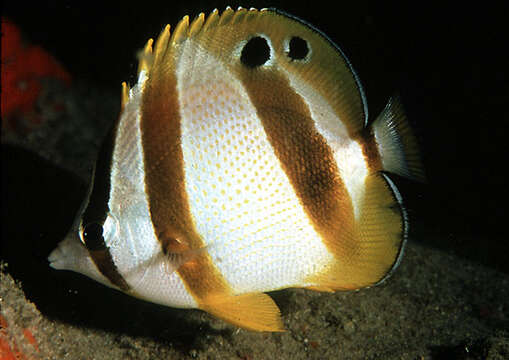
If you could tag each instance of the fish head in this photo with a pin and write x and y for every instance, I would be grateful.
(72, 254)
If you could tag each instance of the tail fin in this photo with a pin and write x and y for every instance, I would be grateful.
(396, 142)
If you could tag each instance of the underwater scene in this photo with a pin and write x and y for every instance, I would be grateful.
(307, 181)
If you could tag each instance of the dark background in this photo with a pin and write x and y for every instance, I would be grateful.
(448, 64)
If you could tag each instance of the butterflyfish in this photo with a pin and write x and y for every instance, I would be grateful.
(243, 162)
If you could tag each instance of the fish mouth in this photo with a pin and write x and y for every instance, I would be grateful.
(71, 254)
(67, 254)
(57, 258)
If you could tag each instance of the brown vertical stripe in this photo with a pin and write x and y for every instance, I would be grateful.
(104, 262)
(370, 150)
(165, 181)
(97, 210)
(305, 156)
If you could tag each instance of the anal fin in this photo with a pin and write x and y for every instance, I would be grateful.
(321, 288)
(253, 311)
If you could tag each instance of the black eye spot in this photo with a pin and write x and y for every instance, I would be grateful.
(255, 53)
(93, 237)
(298, 48)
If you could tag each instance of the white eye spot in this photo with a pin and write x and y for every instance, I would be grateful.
(297, 49)
(255, 52)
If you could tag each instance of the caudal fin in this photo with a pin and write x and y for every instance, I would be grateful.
(396, 142)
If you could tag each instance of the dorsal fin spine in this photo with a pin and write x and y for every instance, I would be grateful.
(196, 25)
(211, 20)
(161, 45)
(145, 57)
(124, 99)
(180, 33)
(226, 16)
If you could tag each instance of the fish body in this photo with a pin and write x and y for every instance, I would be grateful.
(243, 162)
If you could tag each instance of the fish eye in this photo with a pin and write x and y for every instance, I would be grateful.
(297, 48)
(256, 52)
(93, 236)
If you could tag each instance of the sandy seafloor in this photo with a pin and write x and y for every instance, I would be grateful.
(435, 307)
(449, 299)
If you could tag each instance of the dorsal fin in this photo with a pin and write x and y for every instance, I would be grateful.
(333, 76)
(328, 70)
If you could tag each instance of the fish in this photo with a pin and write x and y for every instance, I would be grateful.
(243, 162)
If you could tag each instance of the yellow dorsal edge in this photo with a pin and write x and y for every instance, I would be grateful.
(185, 30)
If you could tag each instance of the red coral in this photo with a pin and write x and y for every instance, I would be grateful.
(10, 349)
(23, 68)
